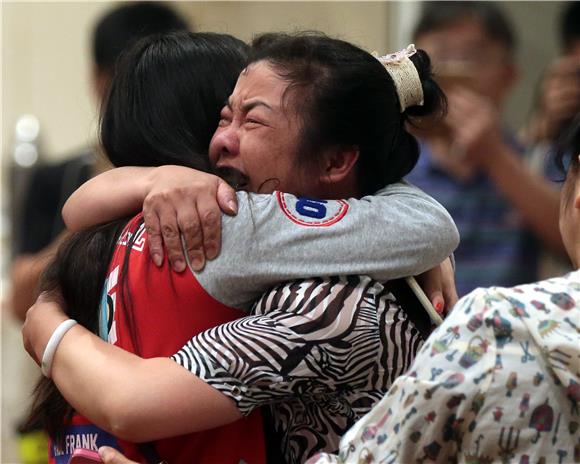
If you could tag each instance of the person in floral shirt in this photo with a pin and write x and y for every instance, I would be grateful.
(499, 380)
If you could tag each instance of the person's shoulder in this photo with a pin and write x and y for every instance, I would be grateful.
(541, 297)
(478, 301)
(482, 306)
(402, 186)
(253, 206)
(568, 283)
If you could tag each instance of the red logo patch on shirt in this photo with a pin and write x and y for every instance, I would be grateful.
(310, 212)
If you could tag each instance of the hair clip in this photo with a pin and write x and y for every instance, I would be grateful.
(404, 75)
(396, 57)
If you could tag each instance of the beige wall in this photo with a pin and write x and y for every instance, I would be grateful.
(46, 65)
(363, 23)
(45, 51)
(45, 71)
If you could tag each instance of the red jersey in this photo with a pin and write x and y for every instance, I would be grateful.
(165, 309)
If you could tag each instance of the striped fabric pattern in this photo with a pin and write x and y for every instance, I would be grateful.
(320, 352)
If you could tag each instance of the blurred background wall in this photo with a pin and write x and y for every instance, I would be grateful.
(45, 72)
(45, 51)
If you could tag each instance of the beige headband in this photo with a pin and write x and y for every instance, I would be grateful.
(404, 75)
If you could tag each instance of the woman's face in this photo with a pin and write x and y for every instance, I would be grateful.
(570, 215)
(259, 132)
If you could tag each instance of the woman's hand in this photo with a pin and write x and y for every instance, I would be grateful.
(475, 125)
(112, 456)
(439, 286)
(184, 202)
(111, 195)
(42, 319)
(175, 200)
(450, 296)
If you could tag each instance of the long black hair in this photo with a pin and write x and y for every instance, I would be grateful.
(164, 104)
(162, 108)
(78, 272)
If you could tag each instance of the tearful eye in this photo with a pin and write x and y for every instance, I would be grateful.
(253, 122)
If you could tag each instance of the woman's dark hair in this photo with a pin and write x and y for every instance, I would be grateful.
(78, 272)
(175, 85)
(163, 107)
(349, 99)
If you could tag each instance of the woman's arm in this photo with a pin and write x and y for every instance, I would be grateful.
(144, 399)
(111, 195)
(173, 198)
(398, 232)
(133, 398)
(313, 336)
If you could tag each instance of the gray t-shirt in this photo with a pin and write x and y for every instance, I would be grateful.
(400, 231)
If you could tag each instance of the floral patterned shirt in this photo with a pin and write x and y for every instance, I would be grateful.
(498, 381)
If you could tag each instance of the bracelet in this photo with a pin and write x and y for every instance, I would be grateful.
(52, 345)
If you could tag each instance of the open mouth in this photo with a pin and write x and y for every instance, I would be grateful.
(237, 179)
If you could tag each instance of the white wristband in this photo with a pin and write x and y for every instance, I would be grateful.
(52, 344)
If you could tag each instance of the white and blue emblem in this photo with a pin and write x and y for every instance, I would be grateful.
(311, 212)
